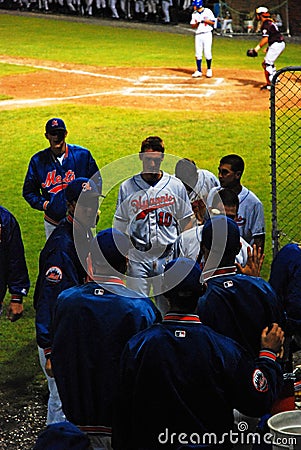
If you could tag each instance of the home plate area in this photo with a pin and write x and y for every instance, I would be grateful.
(172, 86)
(137, 87)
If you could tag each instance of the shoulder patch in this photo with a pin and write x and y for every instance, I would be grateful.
(54, 274)
(259, 381)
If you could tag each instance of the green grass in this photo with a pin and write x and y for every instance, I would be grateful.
(113, 133)
(98, 45)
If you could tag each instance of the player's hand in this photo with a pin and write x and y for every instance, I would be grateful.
(14, 311)
(273, 339)
(48, 368)
(254, 262)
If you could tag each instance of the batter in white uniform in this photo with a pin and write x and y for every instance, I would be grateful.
(202, 21)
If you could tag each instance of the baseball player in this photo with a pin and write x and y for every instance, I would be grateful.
(285, 278)
(51, 170)
(60, 267)
(250, 212)
(202, 21)
(198, 183)
(152, 208)
(235, 305)
(272, 37)
(13, 268)
(179, 380)
(92, 324)
(188, 244)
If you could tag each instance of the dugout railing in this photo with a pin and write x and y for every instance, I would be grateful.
(285, 142)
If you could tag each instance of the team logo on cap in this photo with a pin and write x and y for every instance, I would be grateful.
(86, 186)
(259, 381)
(54, 274)
(54, 123)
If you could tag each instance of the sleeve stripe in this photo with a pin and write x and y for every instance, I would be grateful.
(267, 354)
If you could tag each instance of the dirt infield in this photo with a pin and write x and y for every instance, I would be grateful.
(148, 88)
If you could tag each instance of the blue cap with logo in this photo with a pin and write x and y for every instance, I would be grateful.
(182, 276)
(221, 234)
(84, 187)
(55, 124)
(109, 246)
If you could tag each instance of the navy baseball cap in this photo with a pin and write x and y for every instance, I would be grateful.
(55, 124)
(84, 187)
(62, 436)
(182, 277)
(109, 247)
(221, 234)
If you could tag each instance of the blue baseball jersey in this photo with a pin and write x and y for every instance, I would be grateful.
(239, 306)
(46, 179)
(285, 278)
(13, 267)
(180, 380)
(59, 269)
(92, 324)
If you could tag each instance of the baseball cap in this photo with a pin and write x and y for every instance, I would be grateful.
(84, 187)
(109, 246)
(62, 436)
(182, 277)
(221, 234)
(55, 124)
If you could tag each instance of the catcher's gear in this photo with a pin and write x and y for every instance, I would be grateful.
(252, 53)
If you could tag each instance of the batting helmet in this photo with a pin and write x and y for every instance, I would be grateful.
(197, 3)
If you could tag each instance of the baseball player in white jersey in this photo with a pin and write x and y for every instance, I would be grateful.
(198, 183)
(250, 217)
(202, 21)
(152, 208)
(188, 244)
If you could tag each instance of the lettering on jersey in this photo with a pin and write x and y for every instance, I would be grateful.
(259, 381)
(228, 284)
(54, 274)
(57, 181)
(180, 333)
(152, 203)
(241, 221)
(99, 291)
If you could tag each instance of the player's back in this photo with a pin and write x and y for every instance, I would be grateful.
(240, 306)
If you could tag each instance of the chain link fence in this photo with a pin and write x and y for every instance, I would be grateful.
(286, 157)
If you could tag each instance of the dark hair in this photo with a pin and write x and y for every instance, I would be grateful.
(186, 171)
(154, 143)
(227, 197)
(235, 161)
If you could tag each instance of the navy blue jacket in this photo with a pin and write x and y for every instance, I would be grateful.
(46, 179)
(92, 324)
(285, 278)
(59, 269)
(13, 268)
(240, 307)
(180, 380)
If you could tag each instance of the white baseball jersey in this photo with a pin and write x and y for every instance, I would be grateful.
(150, 214)
(188, 243)
(206, 181)
(199, 17)
(250, 218)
